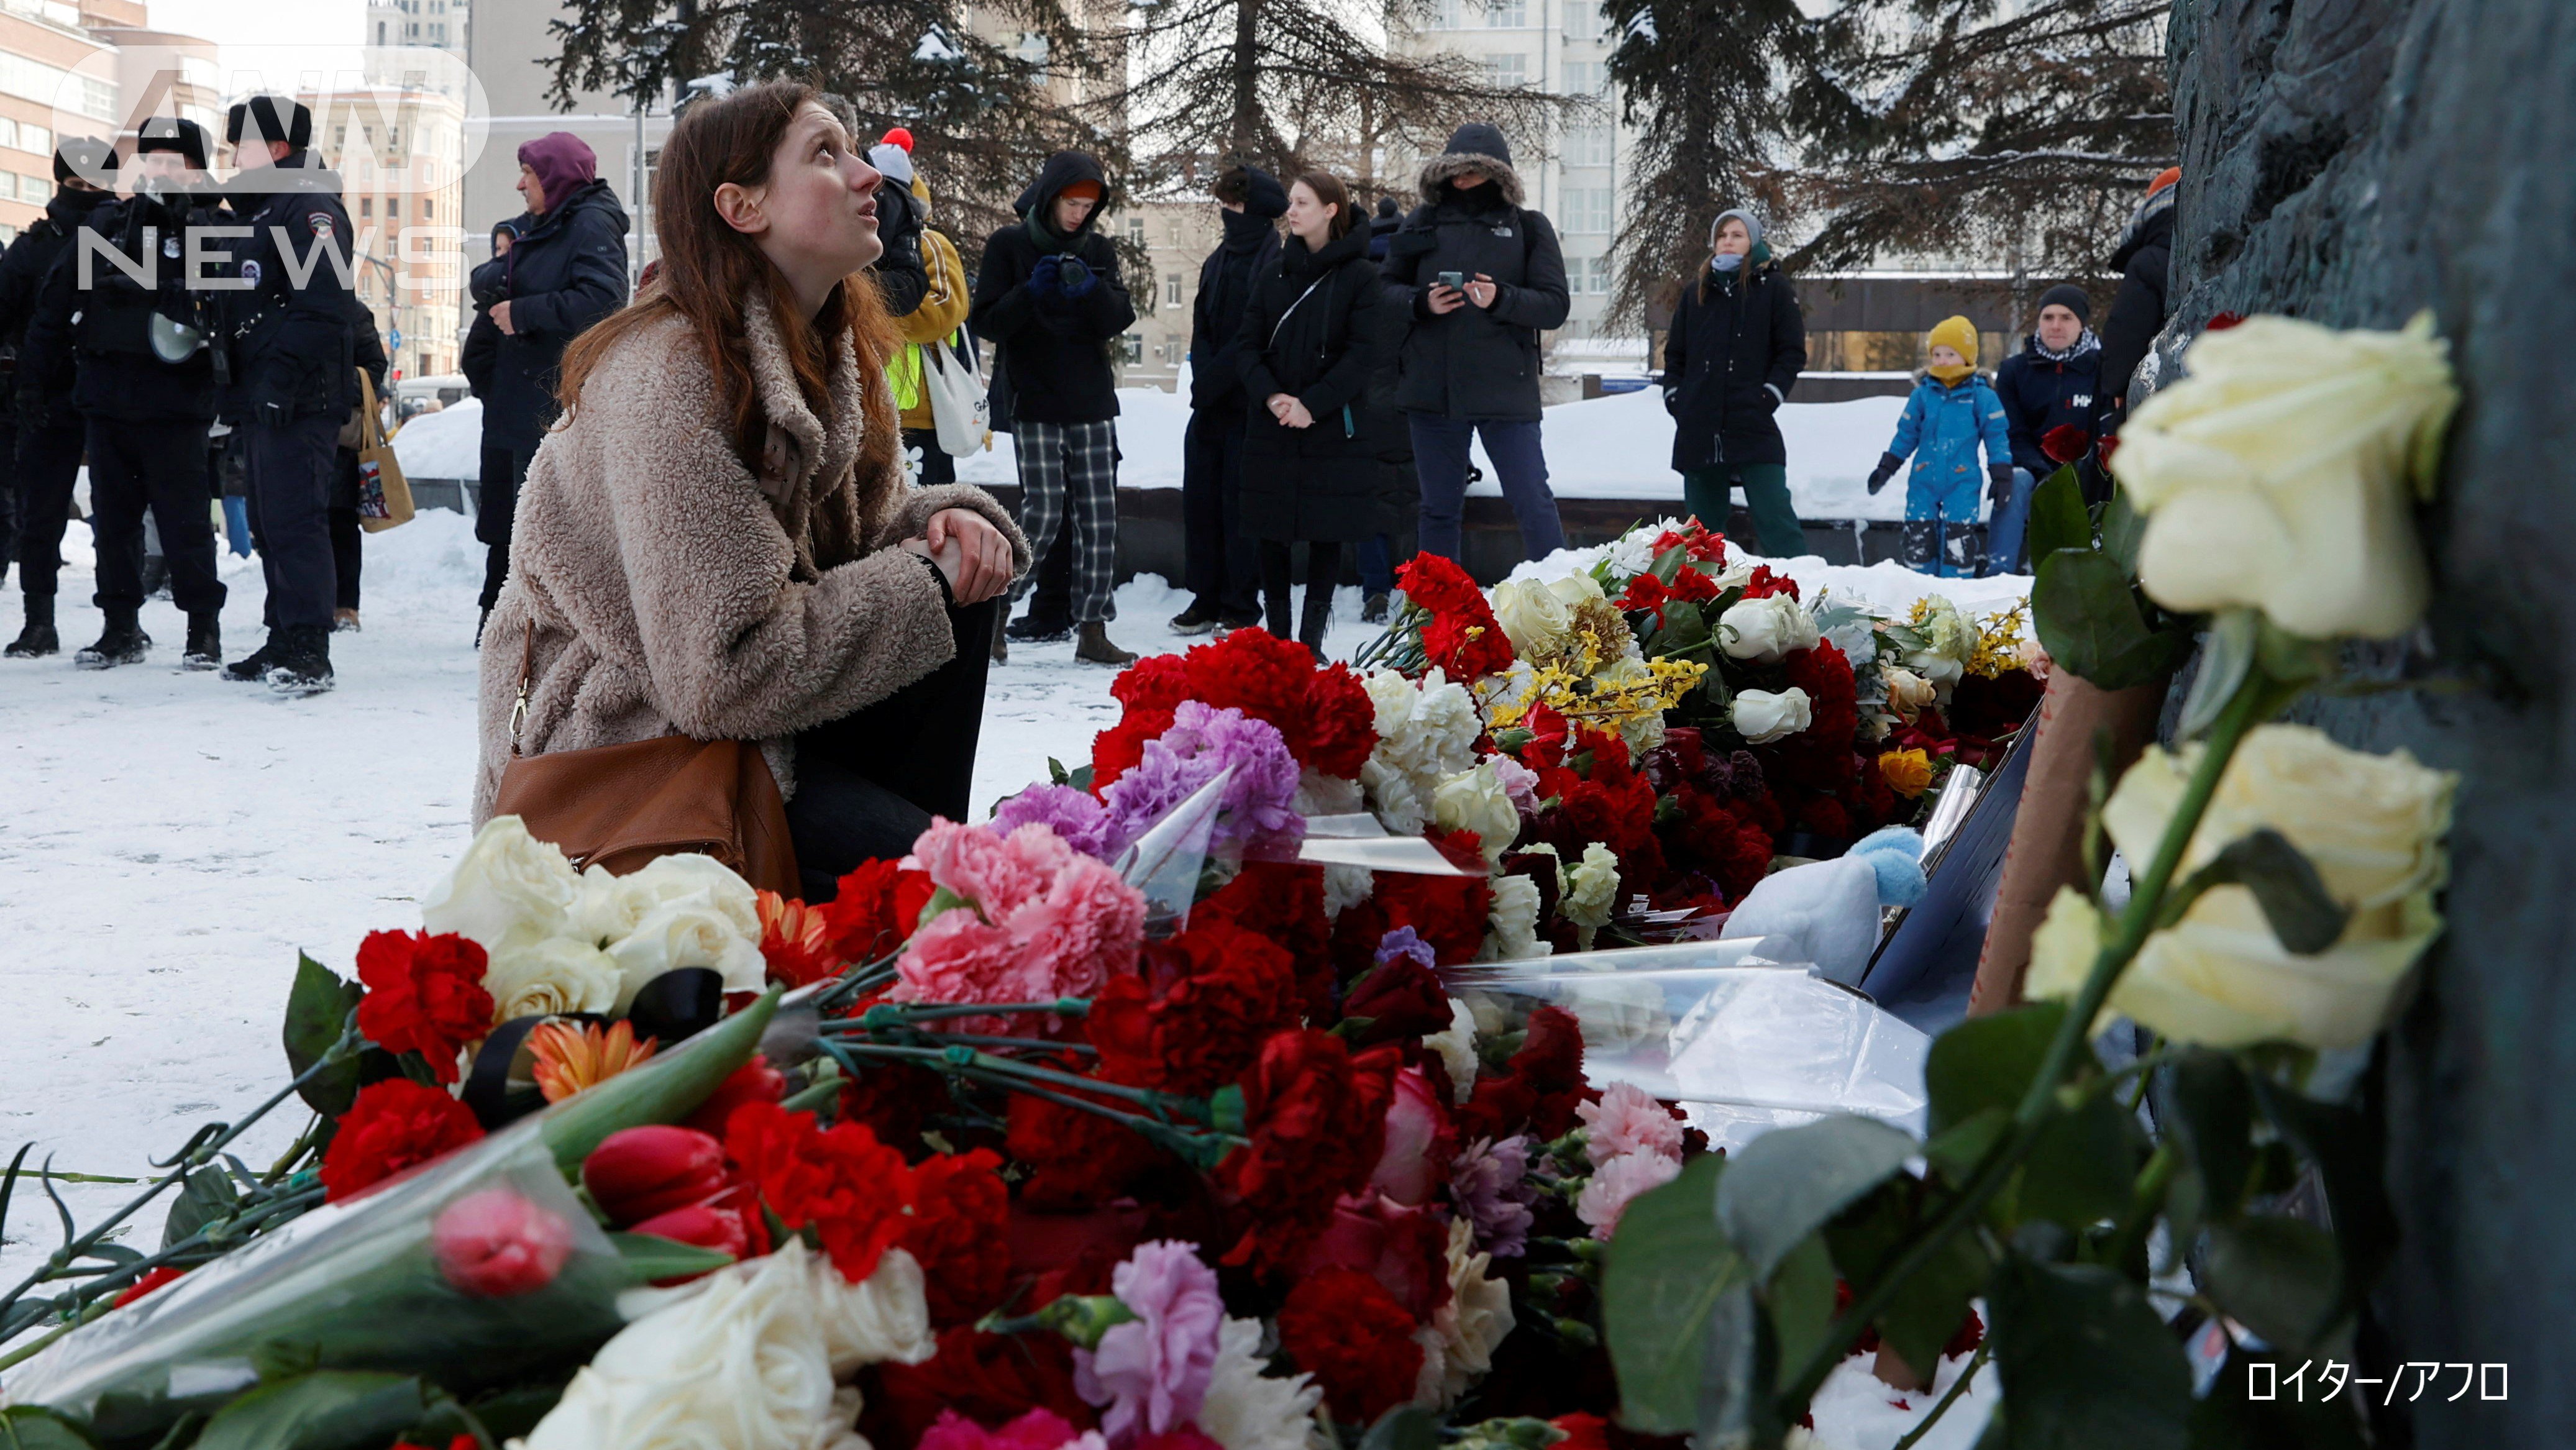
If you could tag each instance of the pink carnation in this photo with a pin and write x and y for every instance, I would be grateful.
(1153, 1372)
(1087, 930)
(1628, 1120)
(1616, 1182)
(1044, 921)
(996, 872)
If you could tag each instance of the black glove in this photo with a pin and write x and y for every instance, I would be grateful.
(32, 412)
(1888, 463)
(1999, 482)
(1672, 401)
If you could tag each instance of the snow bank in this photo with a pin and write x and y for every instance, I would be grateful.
(444, 444)
(1615, 447)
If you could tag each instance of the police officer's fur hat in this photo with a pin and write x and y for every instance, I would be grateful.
(269, 118)
(86, 157)
(173, 133)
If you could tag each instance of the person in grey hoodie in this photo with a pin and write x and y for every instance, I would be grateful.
(1481, 276)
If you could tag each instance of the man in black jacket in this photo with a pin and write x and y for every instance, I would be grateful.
(566, 271)
(1481, 277)
(49, 430)
(2052, 384)
(119, 311)
(293, 379)
(2145, 260)
(1050, 298)
(1223, 567)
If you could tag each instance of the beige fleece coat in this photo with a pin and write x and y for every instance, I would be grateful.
(675, 590)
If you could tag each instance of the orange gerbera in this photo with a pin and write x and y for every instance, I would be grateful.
(796, 942)
(572, 1056)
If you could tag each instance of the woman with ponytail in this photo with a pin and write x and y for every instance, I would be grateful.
(718, 539)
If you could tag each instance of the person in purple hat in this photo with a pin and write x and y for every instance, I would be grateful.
(566, 271)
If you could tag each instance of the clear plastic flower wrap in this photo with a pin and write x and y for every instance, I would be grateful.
(1744, 1045)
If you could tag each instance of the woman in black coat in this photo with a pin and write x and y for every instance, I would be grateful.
(1309, 342)
(1737, 345)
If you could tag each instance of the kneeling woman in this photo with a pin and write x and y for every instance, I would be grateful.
(1309, 339)
(719, 541)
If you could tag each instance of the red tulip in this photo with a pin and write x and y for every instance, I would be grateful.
(640, 1172)
(753, 1082)
(497, 1245)
(703, 1225)
(146, 1285)
(2224, 321)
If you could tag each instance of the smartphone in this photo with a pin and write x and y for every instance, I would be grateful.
(1454, 281)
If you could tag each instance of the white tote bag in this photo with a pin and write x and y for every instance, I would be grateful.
(957, 401)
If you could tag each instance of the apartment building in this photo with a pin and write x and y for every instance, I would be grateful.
(53, 73)
(401, 156)
(506, 47)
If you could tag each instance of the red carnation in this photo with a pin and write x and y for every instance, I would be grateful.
(392, 1125)
(1254, 671)
(1537, 1089)
(875, 910)
(2065, 443)
(1438, 584)
(753, 1082)
(1339, 727)
(1342, 1327)
(1156, 682)
(895, 1101)
(1316, 1123)
(1405, 1249)
(424, 994)
(1076, 1159)
(1401, 999)
(1647, 594)
(1728, 847)
(1283, 903)
(1197, 1009)
(992, 1379)
(853, 1190)
(960, 1233)
(1582, 1432)
(1703, 544)
(1467, 648)
(1762, 584)
(2224, 321)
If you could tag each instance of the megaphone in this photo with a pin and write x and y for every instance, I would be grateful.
(175, 342)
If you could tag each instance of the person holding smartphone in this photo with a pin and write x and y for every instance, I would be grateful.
(1481, 277)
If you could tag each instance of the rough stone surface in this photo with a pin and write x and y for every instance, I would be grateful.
(2354, 161)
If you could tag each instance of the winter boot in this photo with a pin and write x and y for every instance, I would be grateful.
(1029, 629)
(123, 643)
(38, 639)
(1318, 618)
(1373, 609)
(1199, 618)
(254, 667)
(1960, 554)
(205, 643)
(1001, 637)
(344, 621)
(303, 665)
(1095, 647)
(1919, 545)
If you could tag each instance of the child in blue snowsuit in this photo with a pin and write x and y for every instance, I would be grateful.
(1953, 410)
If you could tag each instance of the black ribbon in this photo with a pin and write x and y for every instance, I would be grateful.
(487, 1082)
(678, 1004)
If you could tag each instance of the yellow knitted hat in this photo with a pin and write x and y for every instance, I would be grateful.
(1956, 332)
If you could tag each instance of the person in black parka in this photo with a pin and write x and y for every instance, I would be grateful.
(2145, 260)
(1308, 345)
(1400, 495)
(566, 271)
(1220, 562)
(1737, 345)
(2049, 387)
(1481, 276)
(1050, 298)
(49, 431)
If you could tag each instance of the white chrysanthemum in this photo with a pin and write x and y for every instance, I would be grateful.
(1346, 887)
(1592, 890)
(1248, 1410)
(1426, 734)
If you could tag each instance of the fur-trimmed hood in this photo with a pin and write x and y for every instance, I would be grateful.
(1475, 146)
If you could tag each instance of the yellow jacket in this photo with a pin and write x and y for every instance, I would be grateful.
(942, 311)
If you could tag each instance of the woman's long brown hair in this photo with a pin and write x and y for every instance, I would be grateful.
(708, 270)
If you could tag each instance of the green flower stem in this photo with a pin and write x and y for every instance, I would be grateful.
(201, 1151)
(1949, 1397)
(986, 1064)
(26, 1352)
(865, 977)
(2243, 711)
(2153, 1180)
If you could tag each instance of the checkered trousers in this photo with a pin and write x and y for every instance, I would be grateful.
(1070, 471)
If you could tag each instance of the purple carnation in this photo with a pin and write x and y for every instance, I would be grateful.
(1258, 807)
(1489, 1181)
(1082, 821)
(1152, 1373)
(1402, 942)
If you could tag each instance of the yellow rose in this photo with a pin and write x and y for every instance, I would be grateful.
(2373, 827)
(2276, 475)
(1907, 772)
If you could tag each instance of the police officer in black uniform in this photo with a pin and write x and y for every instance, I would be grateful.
(293, 378)
(49, 429)
(119, 302)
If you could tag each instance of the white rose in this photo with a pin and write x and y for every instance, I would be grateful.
(550, 978)
(1909, 694)
(2373, 827)
(1246, 1409)
(1592, 890)
(1512, 922)
(1577, 589)
(1474, 1321)
(1763, 630)
(1535, 620)
(737, 1359)
(2276, 475)
(884, 1320)
(692, 931)
(1477, 800)
(674, 878)
(1761, 716)
(508, 887)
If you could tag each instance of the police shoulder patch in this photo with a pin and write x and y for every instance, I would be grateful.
(250, 273)
(320, 221)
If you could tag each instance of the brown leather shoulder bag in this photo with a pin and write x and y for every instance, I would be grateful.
(620, 806)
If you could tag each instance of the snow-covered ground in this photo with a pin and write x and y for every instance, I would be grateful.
(170, 842)
(1615, 447)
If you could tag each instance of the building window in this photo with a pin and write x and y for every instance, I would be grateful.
(1171, 289)
(1132, 347)
(1582, 20)
(35, 138)
(1444, 14)
(1594, 277)
(8, 185)
(428, 208)
(1585, 78)
(8, 132)
(1587, 146)
(1136, 230)
(1587, 211)
(366, 204)
(35, 190)
(1033, 48)
(1506, 14)
(1507, 70)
